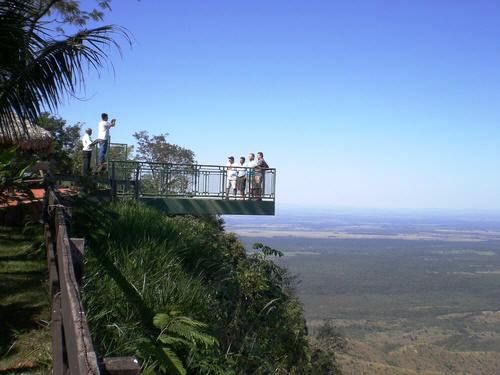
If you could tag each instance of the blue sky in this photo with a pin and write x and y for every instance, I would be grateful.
(376, 104)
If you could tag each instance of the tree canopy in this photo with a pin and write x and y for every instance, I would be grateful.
(155, 148)
(65, 156)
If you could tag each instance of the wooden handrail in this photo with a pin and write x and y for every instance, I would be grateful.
(72, 348)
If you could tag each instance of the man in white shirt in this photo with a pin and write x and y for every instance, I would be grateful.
(87, 151)
(103, 137)
(252, 163)
(232, 174)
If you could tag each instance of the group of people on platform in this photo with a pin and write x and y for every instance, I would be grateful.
(246, 179)
(102, 141)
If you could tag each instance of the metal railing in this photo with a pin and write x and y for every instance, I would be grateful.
(116, 151)
(147, 179)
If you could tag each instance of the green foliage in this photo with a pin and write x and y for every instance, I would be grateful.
(40, 67)
(324, 360)
(13, 168)
(332, 336)
(156, 149)
(181, 332)
(178, 329)
(71, 13)
(179, 287)
(66, 155)
(327, 342)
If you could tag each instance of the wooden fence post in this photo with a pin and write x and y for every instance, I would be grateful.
(121, 366)
(56, 328)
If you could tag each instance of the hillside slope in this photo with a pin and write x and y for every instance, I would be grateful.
(184, 296)
(422, 359)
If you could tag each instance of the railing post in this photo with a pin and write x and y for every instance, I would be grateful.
(136, 187)
(113, 181)
(59, 366)
(224, 175)
(167, 177)
(274, 184)
(121, 366)
(263, 188)
(108, 148)
(195, 181)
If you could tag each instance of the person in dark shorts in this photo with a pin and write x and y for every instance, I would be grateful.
(241, 181)
(260, 171)
(87, 151)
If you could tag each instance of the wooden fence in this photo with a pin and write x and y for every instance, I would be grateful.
(72, 349)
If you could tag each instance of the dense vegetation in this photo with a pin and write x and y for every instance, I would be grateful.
(184, 296)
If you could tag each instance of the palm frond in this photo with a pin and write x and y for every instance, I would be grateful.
(38, 71)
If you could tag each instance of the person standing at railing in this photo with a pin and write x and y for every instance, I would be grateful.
(252, 163)
(103, 138)
(260, 170)
(87, 151)
(241, 180)
(232, 175)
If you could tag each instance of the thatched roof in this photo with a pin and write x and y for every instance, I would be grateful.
(28, 137)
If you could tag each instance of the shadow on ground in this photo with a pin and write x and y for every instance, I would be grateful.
(24, 304)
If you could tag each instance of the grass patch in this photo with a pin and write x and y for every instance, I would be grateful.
(24, 303)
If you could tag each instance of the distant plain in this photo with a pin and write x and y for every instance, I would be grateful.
(412, 293)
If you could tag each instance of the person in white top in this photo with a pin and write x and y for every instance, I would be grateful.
(251, 164)
(103, 136)
(232, 174)
(87, 151)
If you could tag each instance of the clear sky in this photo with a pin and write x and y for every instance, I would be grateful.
(377, 104)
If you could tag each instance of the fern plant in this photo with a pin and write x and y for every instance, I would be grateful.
(180, 333)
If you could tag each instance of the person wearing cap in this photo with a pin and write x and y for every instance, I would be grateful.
(232, 175)
(87, 151)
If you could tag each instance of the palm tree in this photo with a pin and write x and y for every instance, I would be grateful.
(38, 66)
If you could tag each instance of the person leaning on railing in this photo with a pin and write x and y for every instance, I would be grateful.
(87, 151)
(260, 170)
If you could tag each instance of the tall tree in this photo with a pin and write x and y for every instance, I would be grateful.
(66, 154)
(41, 64)
(155, 148)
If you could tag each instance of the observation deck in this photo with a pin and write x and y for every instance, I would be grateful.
(193, 189)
